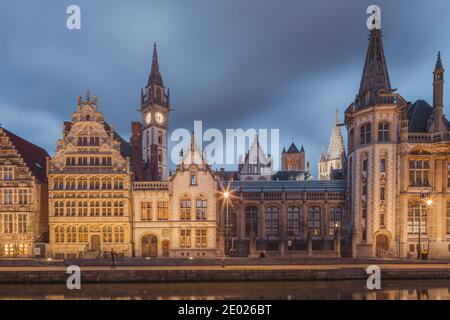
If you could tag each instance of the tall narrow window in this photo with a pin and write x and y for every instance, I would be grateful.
(314, 221)
(383, 165)
(383, 132)
(383, 193)
(334, 220)
(185, 238)
(8, 226)
(163, 210)
(251, 221)
(22, 223)
(294, 222)
(201, 208)
(185, 208)
(200, 238)
(365, 134)
(146, 211)
(417, 218)
(8, 173)
(419, 171)
(272, 221)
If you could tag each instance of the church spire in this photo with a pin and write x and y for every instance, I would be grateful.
(155, 77)
(437, 123)
(375, 75)
(336, 147)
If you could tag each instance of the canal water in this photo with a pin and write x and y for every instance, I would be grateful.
(331, 290)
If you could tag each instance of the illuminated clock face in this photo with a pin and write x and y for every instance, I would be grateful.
(159, 118)
(148, 118)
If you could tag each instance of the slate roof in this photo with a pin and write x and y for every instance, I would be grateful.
(288, 175)
(126, 149)
(419, 114)
(290, 186)
(293, 149)
(34, 156)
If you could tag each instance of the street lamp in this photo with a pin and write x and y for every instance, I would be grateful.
(424, 196)
(227, 195)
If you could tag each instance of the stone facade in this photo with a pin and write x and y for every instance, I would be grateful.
(398, 166)
(23, 196)
(286, 218)
(90, 188)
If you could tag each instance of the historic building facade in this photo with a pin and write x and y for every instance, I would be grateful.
(398, 166)
(286, 218)
(23, 196)
(177, 219)
(90, 188)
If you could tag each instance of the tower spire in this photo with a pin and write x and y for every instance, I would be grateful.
(336, 147)
(437, 123)
(375, 76)
(155, 77)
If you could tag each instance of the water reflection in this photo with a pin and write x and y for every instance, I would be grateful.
(335, 290)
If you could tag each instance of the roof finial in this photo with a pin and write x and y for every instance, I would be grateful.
(439, 61)
(88, 96)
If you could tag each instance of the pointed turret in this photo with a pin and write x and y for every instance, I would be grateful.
(437, 123)
(155, 77)
(375, 75)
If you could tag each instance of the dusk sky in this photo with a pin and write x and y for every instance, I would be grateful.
(283, 64)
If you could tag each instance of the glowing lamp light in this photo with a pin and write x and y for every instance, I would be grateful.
(226, 194)
(429, 202)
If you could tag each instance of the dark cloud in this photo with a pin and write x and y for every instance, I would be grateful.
(286, 64)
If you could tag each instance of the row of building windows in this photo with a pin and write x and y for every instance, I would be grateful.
(92, 209)
(15, 249)
(15, 196)
(88, 141)
(296, 225)
(201, 206)
(7, 173)
(418, 218)
(15, 223)
(201, 238)
(73, 234)
(162, 211)
(88, 161)
(365, 134)
(88, 184)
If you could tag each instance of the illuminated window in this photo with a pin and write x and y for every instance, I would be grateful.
(334, 220)
(59, 234)
(201, 208)
(314, 221)
(8, 225)
(185, 238)
(419, 171)
(9, 250)
(163, 210)
(107, 234)
(83, 234)
(417, 220)
(71, 234)
(146, 211)
(23, 249)
(119, 234)
(185, 208)
(200, 238)
(21, 223)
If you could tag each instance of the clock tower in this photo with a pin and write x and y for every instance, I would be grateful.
(155, 109)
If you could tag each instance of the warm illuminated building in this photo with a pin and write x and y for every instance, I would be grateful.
(399, 152)
(23, 197)
(177, 219)
(90, 188)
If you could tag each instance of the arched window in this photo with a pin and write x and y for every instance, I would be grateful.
(58, 184)
(107, 234)
(185, 208)
(59, 234)
(366, 134)
(334, 220)
(294, 222)
(70, 184)
(82, 184)
(119, 234)
(94, 184)
(71, 234)
(201, 207)
(383, 132)
(314, 220)
(106, 184)
(107, 209)
(272, 221)
(118, 184)
(58, 209)
(251, 221)
(83, 234)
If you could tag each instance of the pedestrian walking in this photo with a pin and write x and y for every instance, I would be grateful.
(113, 259)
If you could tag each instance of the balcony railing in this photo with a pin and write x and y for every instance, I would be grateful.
(150, 185)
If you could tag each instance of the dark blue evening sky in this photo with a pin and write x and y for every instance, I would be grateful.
(286, 64)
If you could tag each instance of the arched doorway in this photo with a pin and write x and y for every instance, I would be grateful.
(149, 246)
(382, 242)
